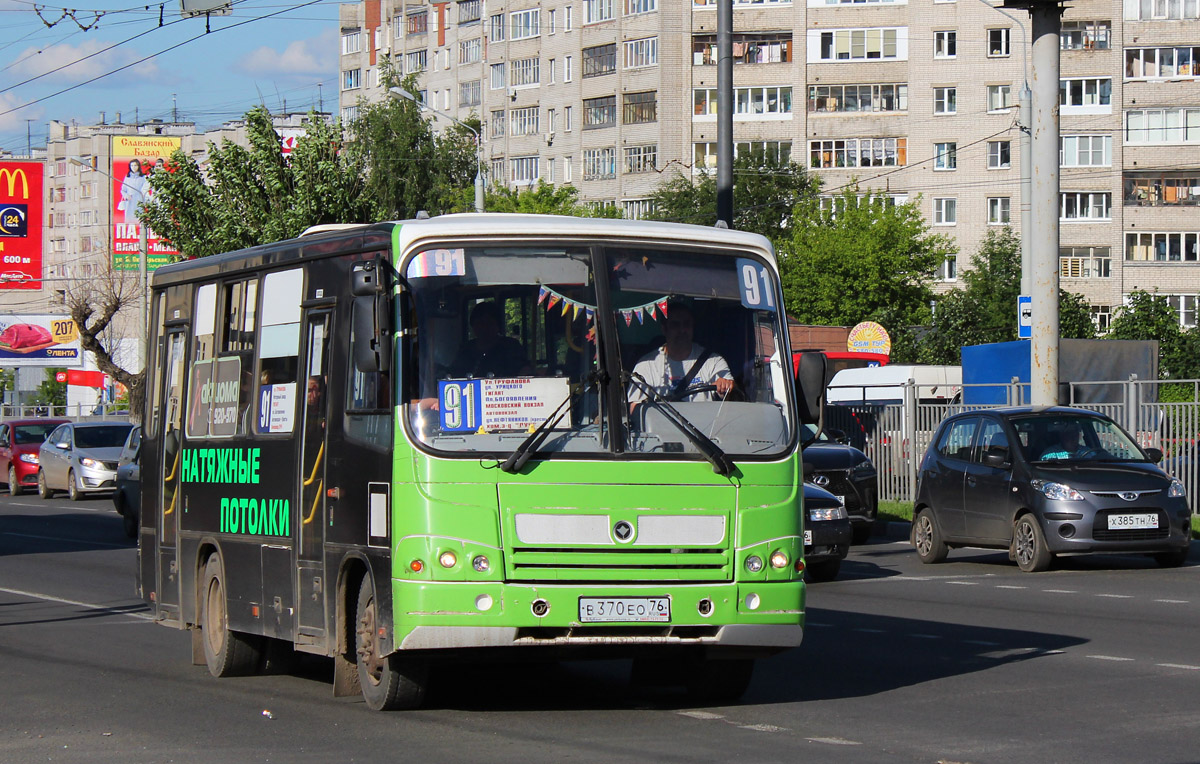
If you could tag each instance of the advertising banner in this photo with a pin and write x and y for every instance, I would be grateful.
(21, 225)
(134, 157)
(39, 341)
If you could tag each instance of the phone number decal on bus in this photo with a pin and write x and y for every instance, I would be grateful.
(624, 609)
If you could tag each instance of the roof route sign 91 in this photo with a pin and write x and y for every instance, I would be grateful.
(1024, 317)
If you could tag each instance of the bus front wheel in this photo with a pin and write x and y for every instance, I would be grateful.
(388, 682)
(227, 653)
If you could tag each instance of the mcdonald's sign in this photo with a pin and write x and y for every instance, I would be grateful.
(21, 220)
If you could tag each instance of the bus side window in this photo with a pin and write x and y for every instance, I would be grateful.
(198, 412)
(279, 352)
(241, 299)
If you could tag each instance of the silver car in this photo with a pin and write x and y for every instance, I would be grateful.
(81, 458)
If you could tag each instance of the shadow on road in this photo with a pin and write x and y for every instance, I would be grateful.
(57, 533)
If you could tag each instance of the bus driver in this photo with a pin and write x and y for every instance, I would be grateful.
(680, 363)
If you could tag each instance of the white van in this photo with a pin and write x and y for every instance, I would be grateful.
(885, 384)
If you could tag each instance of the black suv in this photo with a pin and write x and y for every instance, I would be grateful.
(847, 473)
(1042, 482)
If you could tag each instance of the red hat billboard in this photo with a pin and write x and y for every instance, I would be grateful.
(20, 225)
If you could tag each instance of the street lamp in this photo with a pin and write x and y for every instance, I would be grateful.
(143, 247)
(402, 93)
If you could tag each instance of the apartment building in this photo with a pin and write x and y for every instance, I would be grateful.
(915, 98)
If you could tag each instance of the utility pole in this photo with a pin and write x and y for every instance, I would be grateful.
(29, 137)
(725, 112)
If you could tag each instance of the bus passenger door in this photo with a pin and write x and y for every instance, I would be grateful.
(168, 514)
(311, 594)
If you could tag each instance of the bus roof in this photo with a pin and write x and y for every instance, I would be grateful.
(464, 226)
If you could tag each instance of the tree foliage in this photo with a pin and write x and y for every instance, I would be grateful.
(546, 199)
(765, 191)
(1149, 316)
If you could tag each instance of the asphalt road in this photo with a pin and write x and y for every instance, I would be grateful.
(968, 661)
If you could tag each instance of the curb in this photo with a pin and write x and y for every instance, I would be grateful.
(892, 530)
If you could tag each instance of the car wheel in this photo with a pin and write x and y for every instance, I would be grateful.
(14, 486)
(227, 653)
(1029, 545)
(388, 682)
(1174, 558)
(73, 492)
(43, 489)
(927, 539)
(820, 572)
(129, 521)
(862, 532)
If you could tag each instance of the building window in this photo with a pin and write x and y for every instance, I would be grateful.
(1169, 125)
(1162, 63)
(1185, 306)
(945, 210)
(416, 61)
(999, 97)
(351, 42)
(351, 79)
(1101, 318)
(1089, 95)
(1173, 188)
(949, 270)
(498, 79)
(999, 210)
(568, 118)
(865, 98)
(599, 60)
(945, 100)
(498, 27)
(497, 169)
(498, 123)
(417, 23)
(1163, 246)
(999, 42)
(999, 156)
(523, 170)
(470, 51)
(551, 16)
(637, 209)
(568, 25)
(637, 108)
(568, 161)
(1085, 151)
(470, 11)
(945, 44)
(525, 121)
(1084, 262)
(1158, 10)
(748, 103)
(597, 10)
(550, 162)
(641, 158)
(1085, 205)
(945, 156)
(704, 155)
(634, 7)
(599, 112)
(470, 93)
(349, 114)
(748, 48)
(858, 152)
(525, 71)
(856, 45)
(568, 68)
(641, 53)
(600, 163)
(1085, 35)
(525, 24)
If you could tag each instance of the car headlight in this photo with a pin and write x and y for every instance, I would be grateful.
(28, 458)
(821, 514)
(89, 462)
(1056, 491)
(1176, 490)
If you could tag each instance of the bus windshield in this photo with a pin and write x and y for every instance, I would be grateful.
(509, 338)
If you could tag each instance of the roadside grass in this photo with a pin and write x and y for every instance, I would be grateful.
(901, 512)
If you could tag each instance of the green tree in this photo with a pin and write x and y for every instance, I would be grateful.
(765, 191)
(1149, 316)
(50, 392)
(546, 199)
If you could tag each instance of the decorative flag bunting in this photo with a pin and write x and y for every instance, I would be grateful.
(550, 298)
(542, 293)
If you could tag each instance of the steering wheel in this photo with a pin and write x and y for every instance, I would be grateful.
(690, 391)
(1088, 453)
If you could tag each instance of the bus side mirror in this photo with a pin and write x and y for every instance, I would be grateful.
(810, 388)
(371, 317)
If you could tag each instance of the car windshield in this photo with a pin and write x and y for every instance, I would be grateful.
(1065, 437)
(30, 434)
(101, 436)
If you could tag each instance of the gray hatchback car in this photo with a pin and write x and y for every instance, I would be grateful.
(1042, 482)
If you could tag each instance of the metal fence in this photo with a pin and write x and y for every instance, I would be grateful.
(896, 428)
(77, 412)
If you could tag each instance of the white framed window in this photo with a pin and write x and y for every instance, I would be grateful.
(351, 79)
(525, 121)
(704, 155)
(568, 118)
(1085, 95)
(525, 24)
(999, 210)
(1085, 151)
(523, 171)
(470, 51)
(595, 11)
(949, 269)
(945, 44)
(945, 210)
(945, 100)
(497, 170)
(640, 159)
(551, 120)
(1085, 205)
(635, 7)
(498, 79)
(641, 53)
(999, 42)
(552, 65)
(351, 42)
(498, 123)
(470, 93)
(639, 108)
(883, 44)
(599, 112)
(1163, 246)
(999, 155)
(999, 98)
(349, 114)
(1185, 306)
(600, 163)
(1085, 35)
(568, 23)
(469, 11)
(1176, 125)
(498, 27)
(416, 61)
(945, 156)
(550, 163)
(568, 68)
(748, 103)
(551, 17)
(864, 98)
(858, 152)
(1085, 262)
(637, 209)
(1176, 63)
(525, 71)
(568, 169)
(1159, 10)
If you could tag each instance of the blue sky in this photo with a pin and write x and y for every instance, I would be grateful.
(244, 60)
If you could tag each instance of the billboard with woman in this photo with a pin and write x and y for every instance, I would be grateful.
(134, 158)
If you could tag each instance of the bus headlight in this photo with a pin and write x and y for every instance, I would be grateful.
(480, 564)
(779, 559)
(447, 559)
(754, 563)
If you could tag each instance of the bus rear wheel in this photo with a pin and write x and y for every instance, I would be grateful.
(227, 653)
(388, 682)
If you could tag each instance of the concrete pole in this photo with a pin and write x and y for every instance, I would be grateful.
(1025, 146)
(725, 112)
(144, 288)
(1043, 362)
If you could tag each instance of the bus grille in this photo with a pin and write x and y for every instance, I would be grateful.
(628, 564)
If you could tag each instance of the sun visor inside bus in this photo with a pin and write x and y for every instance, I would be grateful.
(644, 271)
(497, 268)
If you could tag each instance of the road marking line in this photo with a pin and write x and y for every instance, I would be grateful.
(963, 583)
(762, 727)
(1173, 602)
(77, 603)
(980, 643)
(1060, 591)
(1109, 658)
(1010, 586)
(72, 541)
(706, 715)
(832, 741)
(1183, 666)
(1116, 596)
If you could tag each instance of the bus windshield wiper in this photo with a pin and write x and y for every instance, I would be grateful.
(721, 463)
(531, 444)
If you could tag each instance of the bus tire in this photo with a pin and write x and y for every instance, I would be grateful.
(388, 682)
(227, 653)
(719, 681)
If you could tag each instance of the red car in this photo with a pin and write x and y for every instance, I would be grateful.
(20, 440)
